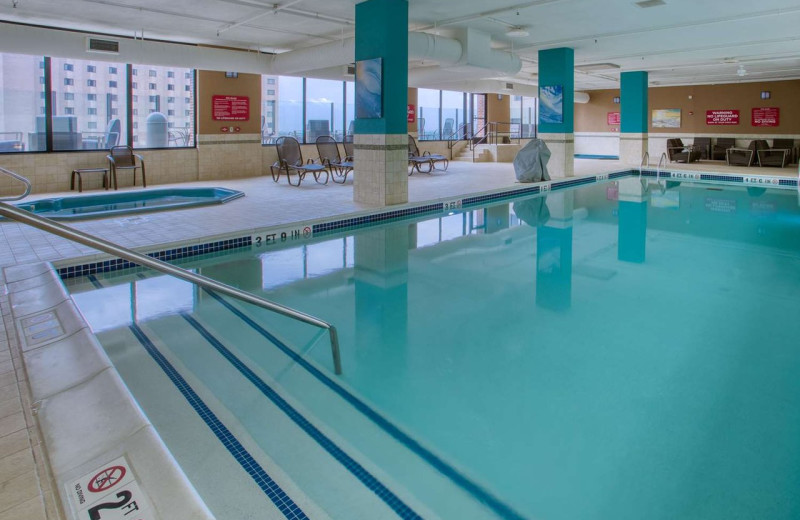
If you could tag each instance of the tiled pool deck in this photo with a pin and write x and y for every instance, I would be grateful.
(26, 489)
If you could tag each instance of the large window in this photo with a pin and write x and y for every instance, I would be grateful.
(157, 126)
(523, 115)
(81, 123)
(428, 120)
(453, 113)
(22, 97)
(324, 109)
(290, 107)
(58, 104)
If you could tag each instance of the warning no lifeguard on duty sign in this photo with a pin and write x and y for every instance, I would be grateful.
(110, 492)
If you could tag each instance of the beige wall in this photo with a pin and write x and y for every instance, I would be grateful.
(694, 101)
(214, 83)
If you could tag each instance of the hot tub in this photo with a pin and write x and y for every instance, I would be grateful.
(111, 204)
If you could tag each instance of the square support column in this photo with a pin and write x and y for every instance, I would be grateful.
(634, 117)
(556, 126)
(381, 143)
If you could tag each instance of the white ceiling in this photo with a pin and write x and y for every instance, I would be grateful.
(680, 42)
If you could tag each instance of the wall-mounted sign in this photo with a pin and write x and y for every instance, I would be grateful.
(722, 117)
(230, 108)
(613, 119)
(766, 116)
(412, 113)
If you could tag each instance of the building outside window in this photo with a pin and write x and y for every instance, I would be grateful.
(152, 103)
(84, 126)
(324, 109)
(68, 67)
(69, 81)
(22, 98)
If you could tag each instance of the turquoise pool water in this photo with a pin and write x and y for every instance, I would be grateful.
(622, 350)
(117, 203)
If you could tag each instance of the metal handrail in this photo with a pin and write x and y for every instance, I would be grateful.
(50, 226)
(487, 129)
(645, 160)
(454, 136)
(658, 168)
(19, 178)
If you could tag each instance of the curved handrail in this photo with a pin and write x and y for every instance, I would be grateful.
(658, 169)
(20, 178)
(645, 160)
(56, 228)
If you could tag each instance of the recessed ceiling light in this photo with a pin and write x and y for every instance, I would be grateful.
(517, 32)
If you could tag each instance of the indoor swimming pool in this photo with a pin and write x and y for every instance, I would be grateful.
(626, 349)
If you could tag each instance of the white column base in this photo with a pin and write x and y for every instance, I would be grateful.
(632, 148)
(380, 177)
(562, 154)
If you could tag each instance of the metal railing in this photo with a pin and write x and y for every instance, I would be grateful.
(645, 160)
(491, 133)
(461, 133)
(20, 178)
(663, 159)
(50, 226)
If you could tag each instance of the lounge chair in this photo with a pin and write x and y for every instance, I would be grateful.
(349, 149)
(776, 155)
(329, 156)
(720, 148)
(704, 145)
(679, 152)
(290, 159)
(123, 158)
(425, 162)
(746, 156)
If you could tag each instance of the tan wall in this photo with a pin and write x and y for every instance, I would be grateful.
(498, 109)
(412, 100)
(214, 83)
(591, 117)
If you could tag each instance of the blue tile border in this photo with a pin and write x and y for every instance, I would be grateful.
(356, 469)
(479, 493)
(335, 226)
(270, 488)
(168, 255)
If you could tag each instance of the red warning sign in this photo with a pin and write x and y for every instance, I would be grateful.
(106, 479)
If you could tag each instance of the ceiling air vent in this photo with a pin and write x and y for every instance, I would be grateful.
(351, 69)
(509, 86)
(104, 46)
(650, 3)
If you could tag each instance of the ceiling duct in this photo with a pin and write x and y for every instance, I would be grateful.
(472, 49)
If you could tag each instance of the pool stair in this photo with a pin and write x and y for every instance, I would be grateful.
(296, 414)
(86, 415)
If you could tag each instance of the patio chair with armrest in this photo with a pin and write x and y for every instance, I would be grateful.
(679, 152)
(425, 162)
(773, 156)
(290, 160)
(102, 140)
(786, 144)
(703, 144)
(123, 158)
(329, 156)
(720, 148)
(746, 156)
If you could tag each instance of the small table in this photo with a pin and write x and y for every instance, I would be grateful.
(79, 171)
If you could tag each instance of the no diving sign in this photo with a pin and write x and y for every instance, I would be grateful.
(110, 492)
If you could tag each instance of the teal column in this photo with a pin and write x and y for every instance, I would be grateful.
(382, 32)
(634, 116)
(557, 109)
(380, 142)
